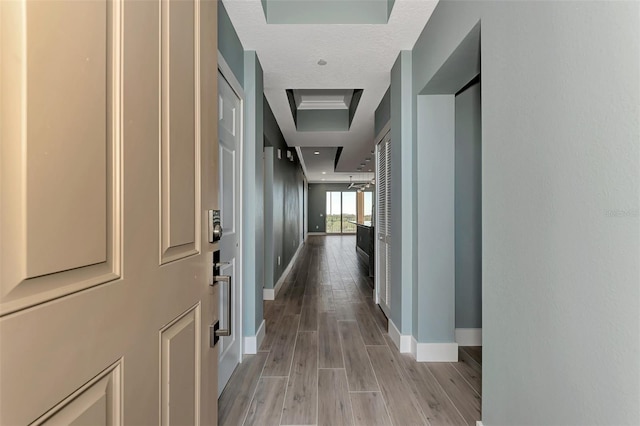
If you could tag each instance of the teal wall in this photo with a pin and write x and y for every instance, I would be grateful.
(560, 183)
(252, 197)
(229, 44)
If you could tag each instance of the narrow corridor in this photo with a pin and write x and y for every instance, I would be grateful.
(327, 359)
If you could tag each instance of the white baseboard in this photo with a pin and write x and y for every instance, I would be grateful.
(316, 233)
(402, 342)
(272, 293)
(434, 352)
(469, 336)
(252, 343)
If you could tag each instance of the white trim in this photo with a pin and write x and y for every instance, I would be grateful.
(268, 294)
(316, 233)
(469, 336)
(228, 74)
(478, 423)
(434, 352)
(252, 343)
(304, 166)
(402, 342)
(225, 70)
(272, 293)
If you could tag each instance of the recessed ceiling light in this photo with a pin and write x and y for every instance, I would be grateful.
(322, 179)
(366, 160)
(322, 62)
(369, 169)
(324, 173)
(316, 152)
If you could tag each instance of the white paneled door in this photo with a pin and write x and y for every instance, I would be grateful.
(106, 170)
(230, 142)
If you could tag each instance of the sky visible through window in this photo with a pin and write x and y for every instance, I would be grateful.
(348, 204)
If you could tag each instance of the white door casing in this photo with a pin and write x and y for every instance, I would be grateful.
(230, 153)
(106, 169)
(383, 224)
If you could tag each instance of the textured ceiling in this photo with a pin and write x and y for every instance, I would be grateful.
(358, 56)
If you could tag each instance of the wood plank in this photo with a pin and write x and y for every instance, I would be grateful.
(473, 377)
(344, 311)
(471, 357)
(279, 360)
(403, 409)
(360, 374)
(234, 401)
(370, 332)
(309, 316)
(330, 348)
(334, 404)
(301, 401)
(276, 312)
(434, 402)
(377, 314)
(459, 391)
(294, 299)
(369, 409)
(266, 406)
(325, 302)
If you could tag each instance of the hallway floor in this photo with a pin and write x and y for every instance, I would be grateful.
(327, 359)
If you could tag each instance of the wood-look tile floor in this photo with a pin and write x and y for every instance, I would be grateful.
(327, 359)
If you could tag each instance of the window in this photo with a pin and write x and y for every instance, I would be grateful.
(341, 212)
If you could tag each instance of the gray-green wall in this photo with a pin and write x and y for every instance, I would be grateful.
(229, 44)
(468, 208)
(252, 197)
(283, 201)
(403, 199)
(560, 185)
(318, 203)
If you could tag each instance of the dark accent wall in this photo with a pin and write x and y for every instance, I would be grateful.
(383, 113)
(284, 182)
(318, 203)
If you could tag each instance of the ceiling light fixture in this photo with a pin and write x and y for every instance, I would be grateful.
(322, 62)
(324, 173)
(316, 152)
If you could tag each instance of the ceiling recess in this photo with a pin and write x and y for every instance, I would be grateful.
(327, 11)
(323, 110)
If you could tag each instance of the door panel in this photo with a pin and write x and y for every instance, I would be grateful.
(180, 141)
(230, 116)
(99, 402)
(180, 376)
(51, 198)
(93, 186)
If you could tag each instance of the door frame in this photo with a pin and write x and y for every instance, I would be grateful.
(376, 275)
(227, 73)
